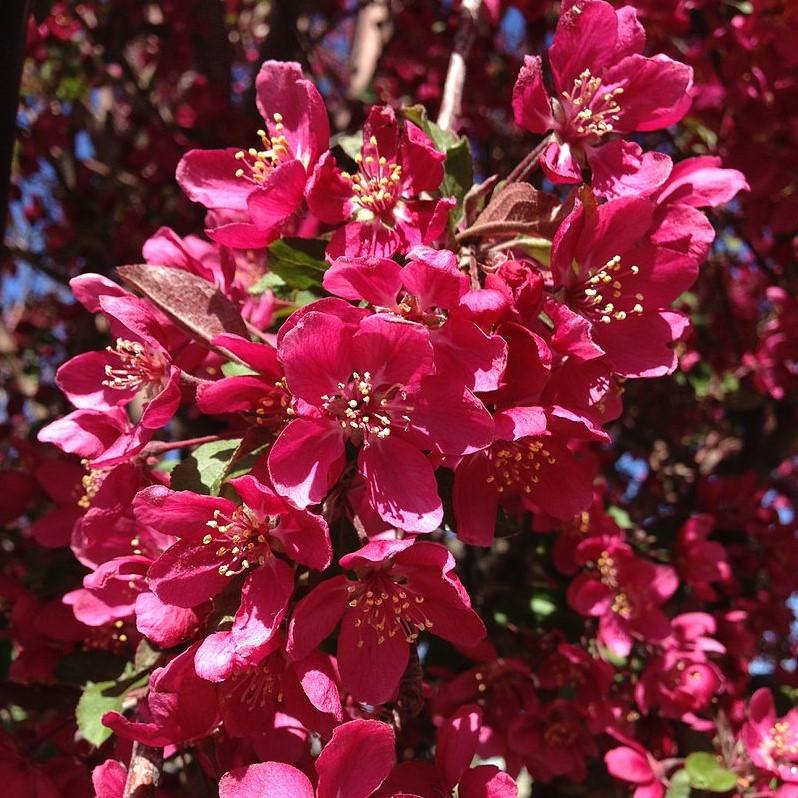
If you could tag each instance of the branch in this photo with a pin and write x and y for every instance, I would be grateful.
(452, 101)
(144, 772)
(370, 36)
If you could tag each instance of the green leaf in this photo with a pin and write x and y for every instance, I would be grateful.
(236, 370)
(442, 139)
(298, 261)
(269, 282)
(203, 471)
(101, 697)
(620, 516)
(706, 773)
(93, 704)
(458, 174)
(542, 604)
(679, 786)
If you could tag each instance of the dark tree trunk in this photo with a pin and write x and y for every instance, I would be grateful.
(13, 24)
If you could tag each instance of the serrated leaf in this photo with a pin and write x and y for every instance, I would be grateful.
(706, 773)
(193, 304)
(299, 262)
(203, 471)
(679, 786)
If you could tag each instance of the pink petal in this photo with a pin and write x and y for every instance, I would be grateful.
(531, 104)
(629, 765)
(306, 460)
(585, 38)
(377, 280)
(401, 485)
(475, 501)
(282, 89)
(371, 661)
(316, 356)
(655, 91)
(487, 781)
(316, 615)
(393, 351)
(621, 168)
(329, 193)
(81, 379)
(356, 761)
(208, 177)
(457, 743)
(272, 779)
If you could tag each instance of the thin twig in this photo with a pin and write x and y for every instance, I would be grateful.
(158, 447)
(528, 163)
(144, 772)
(452, 101)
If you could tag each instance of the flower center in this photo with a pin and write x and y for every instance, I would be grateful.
(781, 742)
(241, 538)
(90, 483)
(257, 164)
(375, 187)
(273, 405)
(592, 111)
(364, 411)
(515, 466)
(259, 684)
(608, 293)
(138, 367)
(560, 735)
(388, 608)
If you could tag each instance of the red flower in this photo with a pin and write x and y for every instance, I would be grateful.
(380, 203)
(624, 592)
(267, 182)
(430, 290)
(457, 742)
(610, 275)
(602, 86)
(369, 383)
(401, 590)
(218, 540)
(771, 742)
(354, 764)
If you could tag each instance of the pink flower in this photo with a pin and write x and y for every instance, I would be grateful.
(529, 465)
(266, 182)
(401, 589)
(553, 742)
(602, 86)
(681, 684)
(380, 203)
(138, 365)
(366, 385)
(700, 561)
(180, 706)
(457, 742)
(504, 689)
(354, 764)
(771, 742)
(624, 592)
(632, 763)
(218, 540)
(307, 690)
(616, 286)
(429, 290)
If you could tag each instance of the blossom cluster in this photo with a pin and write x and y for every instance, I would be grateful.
(391, 375)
